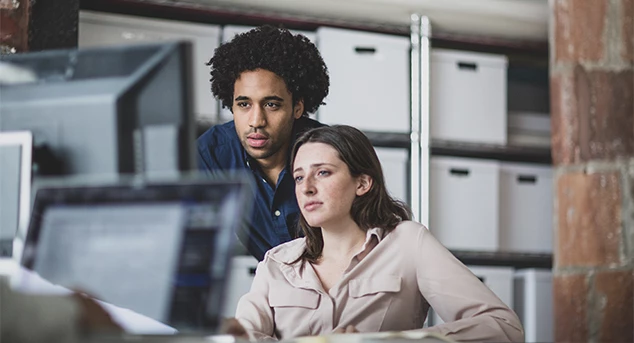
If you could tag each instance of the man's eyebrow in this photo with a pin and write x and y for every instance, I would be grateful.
(266, 98)
(273, 97)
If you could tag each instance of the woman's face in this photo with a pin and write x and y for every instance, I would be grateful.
(324, 187)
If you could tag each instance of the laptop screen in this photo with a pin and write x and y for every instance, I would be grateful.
(161, 250)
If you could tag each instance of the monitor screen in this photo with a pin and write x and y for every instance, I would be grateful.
(114, 110)
(161, 250)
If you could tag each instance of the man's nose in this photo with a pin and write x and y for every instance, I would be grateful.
(257, 117)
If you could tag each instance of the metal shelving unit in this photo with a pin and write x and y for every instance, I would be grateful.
(419, 135)
(422, 147)
(507, 153)
(505, 259)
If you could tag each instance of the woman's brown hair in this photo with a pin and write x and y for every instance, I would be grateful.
(376, 208)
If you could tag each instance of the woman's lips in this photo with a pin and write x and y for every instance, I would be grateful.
(311, 206)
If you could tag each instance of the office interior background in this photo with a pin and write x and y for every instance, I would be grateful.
(512, 137)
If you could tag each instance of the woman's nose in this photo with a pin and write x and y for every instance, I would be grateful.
(308, 186)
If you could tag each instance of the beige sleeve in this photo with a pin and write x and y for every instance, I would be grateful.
(37, 318)
(254, 312)
(471, 311)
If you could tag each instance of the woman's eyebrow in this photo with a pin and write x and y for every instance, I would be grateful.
(315, 165)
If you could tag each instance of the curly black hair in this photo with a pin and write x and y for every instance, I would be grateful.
(292, 57)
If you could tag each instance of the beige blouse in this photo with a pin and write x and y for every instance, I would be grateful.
(390, 289)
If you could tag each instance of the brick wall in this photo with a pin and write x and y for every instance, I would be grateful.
(592, 109)
(30, 25)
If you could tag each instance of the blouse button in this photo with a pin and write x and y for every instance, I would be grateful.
(277, 213)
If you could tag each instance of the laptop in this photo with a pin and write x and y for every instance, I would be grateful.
(160, 249)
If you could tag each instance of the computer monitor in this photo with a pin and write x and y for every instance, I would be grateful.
(114, 110)
(159, 248)
(15, 186)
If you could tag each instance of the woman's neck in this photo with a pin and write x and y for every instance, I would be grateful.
(342, 241)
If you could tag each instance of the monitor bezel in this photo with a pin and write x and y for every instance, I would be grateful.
(23, 139)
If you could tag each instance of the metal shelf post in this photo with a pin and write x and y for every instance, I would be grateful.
(420, 34)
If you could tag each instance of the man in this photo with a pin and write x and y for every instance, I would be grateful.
(270, 79)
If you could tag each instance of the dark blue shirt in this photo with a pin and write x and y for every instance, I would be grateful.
(275, 212)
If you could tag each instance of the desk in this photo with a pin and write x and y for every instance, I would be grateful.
(141, 329)
(26, 281)
(380, 337)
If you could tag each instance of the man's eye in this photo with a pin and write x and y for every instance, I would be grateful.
(243, 104)
(272, 105)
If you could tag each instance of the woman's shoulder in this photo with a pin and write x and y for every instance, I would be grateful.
(409, 233)
(409, 226)
(286, 252)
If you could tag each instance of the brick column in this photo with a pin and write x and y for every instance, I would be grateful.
(30, 25)
(592, 108)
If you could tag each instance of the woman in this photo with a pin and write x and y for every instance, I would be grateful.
(363, 265)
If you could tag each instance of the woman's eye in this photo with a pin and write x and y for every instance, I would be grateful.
(323, 173)
(298, 179)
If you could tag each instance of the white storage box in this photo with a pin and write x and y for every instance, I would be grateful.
(242, 273)
(369, 80)
(395, 164)
(529, 129)
(230, 31)
(498, 279)
(100, 29)
(526, 208)
(464, 196)
(539, 123)
(468, 97)
(533, 303)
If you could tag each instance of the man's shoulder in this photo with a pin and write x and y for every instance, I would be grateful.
(219, 147)
(308, 123)
(304, 124)
(219, 134)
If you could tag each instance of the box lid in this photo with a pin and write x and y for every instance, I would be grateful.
(529, 121)
(478, 58)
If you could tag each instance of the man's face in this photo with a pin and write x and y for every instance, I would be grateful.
(264, 114)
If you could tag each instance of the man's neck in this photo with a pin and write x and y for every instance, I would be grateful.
(272, 174)
(272, 167)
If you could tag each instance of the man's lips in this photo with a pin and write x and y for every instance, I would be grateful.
(311, 206)
(256, 140)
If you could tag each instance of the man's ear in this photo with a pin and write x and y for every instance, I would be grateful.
(364, 184)
(298, 109)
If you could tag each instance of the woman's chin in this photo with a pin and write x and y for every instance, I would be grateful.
(314, 222)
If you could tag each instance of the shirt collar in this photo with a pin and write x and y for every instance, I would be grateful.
(374, 232)
(290, 252)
